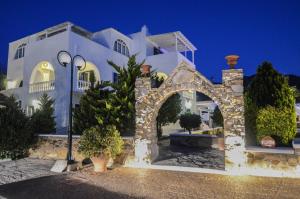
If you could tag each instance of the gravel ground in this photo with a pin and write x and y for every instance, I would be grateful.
(152, 184)
(23, 169)
(189, 157)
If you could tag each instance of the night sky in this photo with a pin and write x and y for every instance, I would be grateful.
(256, 30)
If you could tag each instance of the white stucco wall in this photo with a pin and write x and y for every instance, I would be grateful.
(96, 50)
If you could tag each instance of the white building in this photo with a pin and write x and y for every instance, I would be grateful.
(33, 67)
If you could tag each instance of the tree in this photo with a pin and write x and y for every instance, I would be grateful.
(16, 136)
(43, 120)
(124, 95)
(217, 117)
(189, 121)
(269, 88)
(93, 104)
(169, 112)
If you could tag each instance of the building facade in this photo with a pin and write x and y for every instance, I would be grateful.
(33, 68)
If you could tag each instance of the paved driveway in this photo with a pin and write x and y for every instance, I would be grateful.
(154, 184)
(23, 169)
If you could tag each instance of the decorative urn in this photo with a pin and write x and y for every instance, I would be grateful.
(232, 60)
(145, 69)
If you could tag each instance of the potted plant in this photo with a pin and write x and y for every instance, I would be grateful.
(99, 144)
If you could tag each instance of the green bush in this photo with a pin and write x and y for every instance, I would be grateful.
(277, 123)
(16, 135)
(96, 140)
(42, 120)
(189, 121)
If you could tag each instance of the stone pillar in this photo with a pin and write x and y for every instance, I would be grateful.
(146, 149)
(234, 121)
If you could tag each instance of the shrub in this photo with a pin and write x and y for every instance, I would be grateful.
(42, 120)
(96, 140)
(16, 135)
(277, 123)
(189, 121)
(92, 105)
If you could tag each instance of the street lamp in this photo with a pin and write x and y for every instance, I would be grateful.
(64, 58)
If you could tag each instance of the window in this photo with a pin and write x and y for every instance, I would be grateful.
(29, 110)
(121, 47)
(20, 51)
(86, 75)
(115, 77)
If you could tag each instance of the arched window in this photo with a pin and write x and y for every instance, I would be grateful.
(121, 47)
(20, 51)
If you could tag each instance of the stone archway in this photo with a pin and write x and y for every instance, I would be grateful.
(228, 96)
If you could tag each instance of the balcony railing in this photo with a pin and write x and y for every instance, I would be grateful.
(83, 85)
(41, 87)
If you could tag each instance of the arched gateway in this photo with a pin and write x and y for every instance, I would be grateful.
(228, 96)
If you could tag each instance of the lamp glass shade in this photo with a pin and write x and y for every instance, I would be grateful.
(64, 58)
(79, 62)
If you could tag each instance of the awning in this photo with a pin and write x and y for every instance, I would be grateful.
(173, 41)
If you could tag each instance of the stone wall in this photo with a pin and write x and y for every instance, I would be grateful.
(55, 147)
(228, 96)
(271, 163)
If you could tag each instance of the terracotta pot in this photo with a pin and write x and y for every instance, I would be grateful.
(268, 142)
(146, 70)
(232, 60)
(100, 163)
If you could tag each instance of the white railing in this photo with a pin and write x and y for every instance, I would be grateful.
(41, 87)
(83, 85)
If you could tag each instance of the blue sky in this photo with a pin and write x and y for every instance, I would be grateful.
(255, 30)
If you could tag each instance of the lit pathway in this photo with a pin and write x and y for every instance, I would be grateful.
(189, 156)
(147, 183)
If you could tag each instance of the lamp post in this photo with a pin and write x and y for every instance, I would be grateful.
(64, 58)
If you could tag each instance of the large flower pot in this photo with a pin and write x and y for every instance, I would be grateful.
(100, 163)
(146, 70)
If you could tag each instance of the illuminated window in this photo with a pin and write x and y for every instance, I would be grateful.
(121, 47)
(20, 51)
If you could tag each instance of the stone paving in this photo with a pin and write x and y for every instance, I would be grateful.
(189, 157)
(23, 169)
(151, 184)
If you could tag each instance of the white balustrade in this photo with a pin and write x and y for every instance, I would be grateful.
(83, 85)
(41, 87)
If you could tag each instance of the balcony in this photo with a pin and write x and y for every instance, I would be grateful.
(83, 85)
(41, 87)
